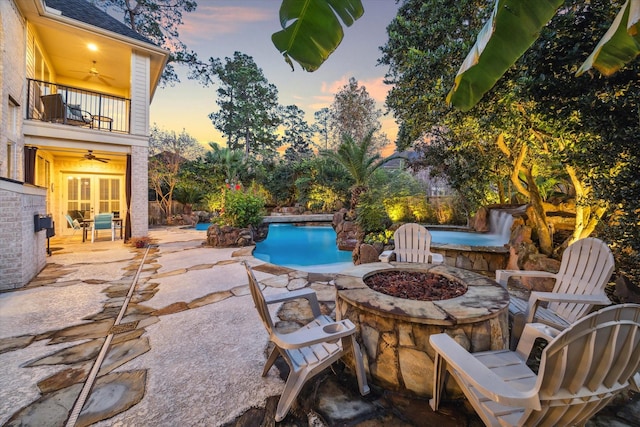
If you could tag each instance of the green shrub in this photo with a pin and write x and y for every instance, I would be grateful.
(322, 199)
(383, 237)
(241, 209)
(371, 215)
(421, 210)
(398, 209)
(215, 201)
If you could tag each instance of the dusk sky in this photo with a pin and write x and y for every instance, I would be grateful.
(218, 28)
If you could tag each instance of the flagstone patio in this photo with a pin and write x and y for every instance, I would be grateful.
(111, 335)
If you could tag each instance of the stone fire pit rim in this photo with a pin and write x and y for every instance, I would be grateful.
(484, 297)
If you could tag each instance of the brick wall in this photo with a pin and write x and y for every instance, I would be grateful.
(22, 250)
(139, 191)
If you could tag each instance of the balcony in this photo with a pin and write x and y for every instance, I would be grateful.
(72, 106)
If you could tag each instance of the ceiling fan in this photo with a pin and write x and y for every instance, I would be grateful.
(90, 156)
(94, 73)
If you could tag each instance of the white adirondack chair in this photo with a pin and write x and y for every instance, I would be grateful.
(412, 244)
(585, 269)
(308, 350)
(580, 371)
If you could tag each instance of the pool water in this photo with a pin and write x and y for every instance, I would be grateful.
(314, 249)
(465, 238)
(301, 246)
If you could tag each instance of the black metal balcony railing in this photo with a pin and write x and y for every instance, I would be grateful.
(50, 102)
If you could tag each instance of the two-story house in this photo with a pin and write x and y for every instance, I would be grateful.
(76, 85)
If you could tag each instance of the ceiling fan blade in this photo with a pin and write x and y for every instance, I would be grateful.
(101, 160)
(104, 81)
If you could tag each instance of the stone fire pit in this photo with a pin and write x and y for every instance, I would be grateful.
(394, 332)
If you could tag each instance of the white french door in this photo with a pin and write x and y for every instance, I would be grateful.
(87, 195)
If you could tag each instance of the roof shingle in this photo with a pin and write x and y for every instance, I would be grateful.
(82, 11)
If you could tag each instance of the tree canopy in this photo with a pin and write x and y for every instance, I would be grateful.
(356, 157)
(514, 26)
(353, 113)
(248, 114)
(531, 134)
(297, 133)
(158, 21)
(168, 152)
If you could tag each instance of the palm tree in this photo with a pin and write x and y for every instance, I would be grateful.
(225, 161)
(356, 158)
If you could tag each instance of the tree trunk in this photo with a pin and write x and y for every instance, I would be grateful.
(501, 192)
(539, 215)
(537, 211)
(356, 192)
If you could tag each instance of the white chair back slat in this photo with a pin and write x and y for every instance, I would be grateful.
(554, 369)
(606, 352)
(625, 356)
(580, 365)
(632, 367)
(259, 302)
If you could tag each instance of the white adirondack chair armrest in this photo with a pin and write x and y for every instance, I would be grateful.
(634, 382)
(481, 377)
(537, 297)
(385, 256)
(502, 276)
(318, 334)
(530, 333)
(306, 293)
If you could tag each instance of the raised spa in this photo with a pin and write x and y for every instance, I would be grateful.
(394, 332)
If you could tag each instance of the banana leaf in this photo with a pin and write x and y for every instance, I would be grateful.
(512, 28)
(619, 45)
(311, 29)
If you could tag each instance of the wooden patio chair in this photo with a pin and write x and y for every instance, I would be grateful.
(580, 371)
(412, 244)
(585, 269)
(308, 350)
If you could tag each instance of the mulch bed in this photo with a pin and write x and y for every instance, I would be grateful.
(415, 285)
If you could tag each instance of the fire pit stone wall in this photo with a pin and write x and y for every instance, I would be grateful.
(394, 332)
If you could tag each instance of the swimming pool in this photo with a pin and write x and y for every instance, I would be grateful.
(314, 249)
(466, 238)
(309, 248)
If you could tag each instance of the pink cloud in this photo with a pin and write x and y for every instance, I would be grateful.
(375, 87)
(210, 20)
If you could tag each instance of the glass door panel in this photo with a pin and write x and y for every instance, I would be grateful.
(109, 195)
(87, 195)
(79, 197)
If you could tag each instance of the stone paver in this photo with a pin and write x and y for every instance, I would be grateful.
(189, 348)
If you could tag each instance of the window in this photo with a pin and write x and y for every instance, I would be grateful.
(43, 170)
(12, 137)
(9, 159)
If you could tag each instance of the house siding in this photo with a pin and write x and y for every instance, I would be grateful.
(140, 94)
